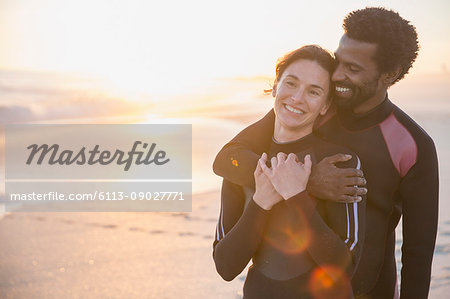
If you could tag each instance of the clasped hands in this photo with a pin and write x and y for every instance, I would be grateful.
(286, 177)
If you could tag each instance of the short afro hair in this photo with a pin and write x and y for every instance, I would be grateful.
(396, 38)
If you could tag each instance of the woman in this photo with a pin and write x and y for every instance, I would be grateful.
(301, 247)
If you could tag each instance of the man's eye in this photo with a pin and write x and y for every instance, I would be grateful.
(353, 68)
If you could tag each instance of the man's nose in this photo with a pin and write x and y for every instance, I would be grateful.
(338, 74)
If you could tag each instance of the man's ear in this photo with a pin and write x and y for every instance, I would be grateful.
(390, 77)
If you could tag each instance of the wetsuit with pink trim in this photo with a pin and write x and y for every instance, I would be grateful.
(401, 168)
(296, 244)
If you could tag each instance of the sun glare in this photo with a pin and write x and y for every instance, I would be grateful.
(169, 47)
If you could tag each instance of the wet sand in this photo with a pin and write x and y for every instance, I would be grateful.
(158, 255)
(113, 255)
(123, 255)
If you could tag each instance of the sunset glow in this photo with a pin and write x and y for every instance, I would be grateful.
(170, 47)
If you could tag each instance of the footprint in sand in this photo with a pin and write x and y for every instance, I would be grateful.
(179, 215)
(67, 221)
(136, 229)
(109, 226)
(157, 232)
(182, 234)
(7, 216)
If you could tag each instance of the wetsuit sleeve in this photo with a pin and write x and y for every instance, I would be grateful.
(419, 193)
(337, 232)
(239, 231)
(238, 158)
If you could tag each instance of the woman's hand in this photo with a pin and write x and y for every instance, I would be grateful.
(288, 175)
(265, 195)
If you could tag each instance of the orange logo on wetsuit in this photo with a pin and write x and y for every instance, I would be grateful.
(234, 162)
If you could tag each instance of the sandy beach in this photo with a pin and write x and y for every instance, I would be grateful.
(124, 255)
(112, 255)
(163, 255)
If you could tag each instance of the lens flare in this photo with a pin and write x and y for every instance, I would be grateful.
(289, 236)
(329, 282)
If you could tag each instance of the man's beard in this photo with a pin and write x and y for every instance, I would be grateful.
(360, 94)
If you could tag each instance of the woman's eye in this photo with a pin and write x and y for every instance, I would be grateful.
(290, 83)
(314, 93)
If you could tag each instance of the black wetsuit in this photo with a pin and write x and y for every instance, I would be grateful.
(288, 242)
(401, 168)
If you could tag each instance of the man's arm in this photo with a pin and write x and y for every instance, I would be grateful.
(239, 231)
(419, 191)
(237, 159)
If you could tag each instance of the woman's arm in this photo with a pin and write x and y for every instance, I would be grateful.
(341, 224)
(335, 239)
(239, 231)
(334, 243)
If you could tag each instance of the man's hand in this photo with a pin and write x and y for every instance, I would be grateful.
(337, 184)
(265, 195)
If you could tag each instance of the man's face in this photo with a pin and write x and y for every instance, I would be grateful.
(356, 78)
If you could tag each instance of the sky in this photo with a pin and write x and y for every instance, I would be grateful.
(174, 44)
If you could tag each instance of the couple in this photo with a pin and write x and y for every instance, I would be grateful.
(305, 221)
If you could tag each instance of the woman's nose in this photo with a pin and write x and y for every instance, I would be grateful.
(298, 95)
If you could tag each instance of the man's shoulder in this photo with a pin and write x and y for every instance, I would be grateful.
(403, 120)
(406, 141)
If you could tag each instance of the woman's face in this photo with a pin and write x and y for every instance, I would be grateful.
(300, 96)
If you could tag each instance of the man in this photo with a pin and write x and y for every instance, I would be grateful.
(399, 159)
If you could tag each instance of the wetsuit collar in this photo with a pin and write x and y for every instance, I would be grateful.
(360, 121)
(305, 142)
